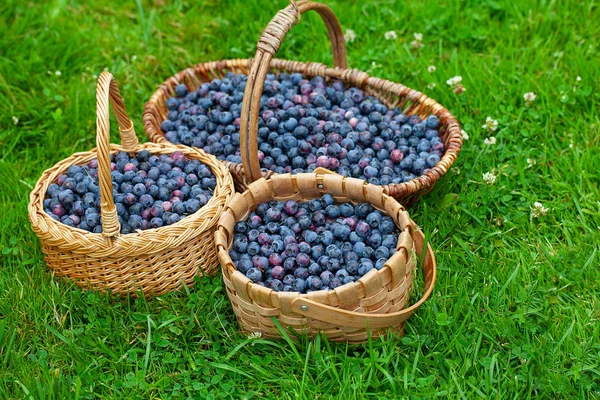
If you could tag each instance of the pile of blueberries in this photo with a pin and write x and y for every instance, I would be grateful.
(149, 191)
(315, 245)
(307, 124)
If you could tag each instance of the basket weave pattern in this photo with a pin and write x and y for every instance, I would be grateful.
(391, 94)
(374, 303)
(154, 261)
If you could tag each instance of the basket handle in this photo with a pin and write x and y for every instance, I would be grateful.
(107, 92)
(313, 309)
(267, 46)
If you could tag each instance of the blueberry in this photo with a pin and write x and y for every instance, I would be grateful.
(432, 122)
(244, 265)
(375, 240)
(303, 259)
(315, 205)
(156, 222)
(387, 225)
(335, 282)
(317, 251)
(299, 285)
(374, 219)
(288, 279)
(91, 220)
(352, 267)
(291, 207)
(432, 160)
(254, 274)
(327, 238)
(314, 269)
(327, 200)
(260, 262)
(332, 211)
(314, 283)
(362, 229)
(289, 264)
(318, 218)
(278, 273)
(301, 273)
(192, 205)
(362, 210)
(333, 251)
(346, 210)
(326, 277)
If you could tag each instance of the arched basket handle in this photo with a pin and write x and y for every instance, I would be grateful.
(267, 47)
(107, 92)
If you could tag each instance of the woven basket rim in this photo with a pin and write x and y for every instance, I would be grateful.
(405, 228)
(205, 217)
(452, 143)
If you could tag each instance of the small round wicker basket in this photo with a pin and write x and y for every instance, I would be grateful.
(371, 305)
(390, 93)
(153, 261)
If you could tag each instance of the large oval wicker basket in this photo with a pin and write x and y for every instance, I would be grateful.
(390, 93)
(374, 303)
(154, 261)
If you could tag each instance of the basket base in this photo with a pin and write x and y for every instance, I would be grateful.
(152, 275)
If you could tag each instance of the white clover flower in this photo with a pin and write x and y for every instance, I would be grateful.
(254, 335)
(454, 80)
(464, 134)
(418, 42)
(529, 97)
(431, 69)
(390, 35)
(456, 84)
(489, 178)
(15, 120)
(490, 141)
(349, 36)
(531, 162)
(578, 79)
(490, 124)
(431, 85)
(58, 73)
(538, 210)
(455, 170)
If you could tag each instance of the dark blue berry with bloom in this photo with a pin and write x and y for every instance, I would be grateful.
(148, 191)
(304, 124)
(312, 245)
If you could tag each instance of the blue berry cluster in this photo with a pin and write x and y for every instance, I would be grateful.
(307, 124)
(303, 247)
(149, 191)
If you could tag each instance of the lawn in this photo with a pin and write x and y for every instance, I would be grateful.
(516, 309)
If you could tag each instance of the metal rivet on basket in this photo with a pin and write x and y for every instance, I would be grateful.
(320, 186)
(304, 308)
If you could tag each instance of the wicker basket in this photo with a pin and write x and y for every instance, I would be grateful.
(390, 93)
(154, 261)
(374, 303)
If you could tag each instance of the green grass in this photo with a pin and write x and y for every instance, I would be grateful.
(516, 309)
